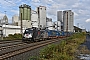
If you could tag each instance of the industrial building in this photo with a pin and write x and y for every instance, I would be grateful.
(60, 18)
(4, 20)
(29, 18)
(34, 19)
(83, 30)
(68, 21)
(49, 24)
(11, 29)
(77, 29)
(25, 23)
(15, 20)
(41, 10)
(57, 25)
(1, 32)
(25, 10)
(25, 16)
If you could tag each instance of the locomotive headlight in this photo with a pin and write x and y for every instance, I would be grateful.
(28, 35)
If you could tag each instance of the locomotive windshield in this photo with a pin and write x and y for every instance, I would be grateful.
(28, 31)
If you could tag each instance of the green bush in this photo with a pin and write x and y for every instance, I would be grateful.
(47, 52)
(13, 37)
(63, 51)
(33, 58)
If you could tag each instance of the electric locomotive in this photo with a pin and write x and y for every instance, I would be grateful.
(34, 34)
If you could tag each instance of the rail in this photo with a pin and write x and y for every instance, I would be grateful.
(22, 48)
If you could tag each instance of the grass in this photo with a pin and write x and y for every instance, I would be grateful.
(65, 50)
(13, 37)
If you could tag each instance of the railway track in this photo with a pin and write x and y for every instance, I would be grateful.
(9, 41)
(16, 49)
(9, 44)
(5, 48)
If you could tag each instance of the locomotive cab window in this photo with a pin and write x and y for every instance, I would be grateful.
(28, 31)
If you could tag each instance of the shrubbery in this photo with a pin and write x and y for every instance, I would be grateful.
(33, 58)
(13, 37)
(65, 50)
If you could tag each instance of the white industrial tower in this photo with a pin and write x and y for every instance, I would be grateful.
(68, 21)
(41, 10)
(15, 19)
(34, 18)
(59, 16)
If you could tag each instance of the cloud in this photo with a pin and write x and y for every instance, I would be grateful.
(57, 6)
(9, 3)
(6, 3)
(1, 15)
(76, 5)
(88, 20)
(36, 1)
(15, 11)
(50, 0)
(81, 11)
(52, 12)
(47, 1)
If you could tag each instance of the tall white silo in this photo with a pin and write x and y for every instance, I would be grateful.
(34, 19)
(68, 20)
(59, 16)
(41, 10)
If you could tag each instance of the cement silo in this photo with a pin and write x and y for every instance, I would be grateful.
(15, 19)
(41, 10)
(71, 22)
(21, 12)
(59, 16)
(34, 18)
(68, 20)
(29, 13)
(26, 12)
